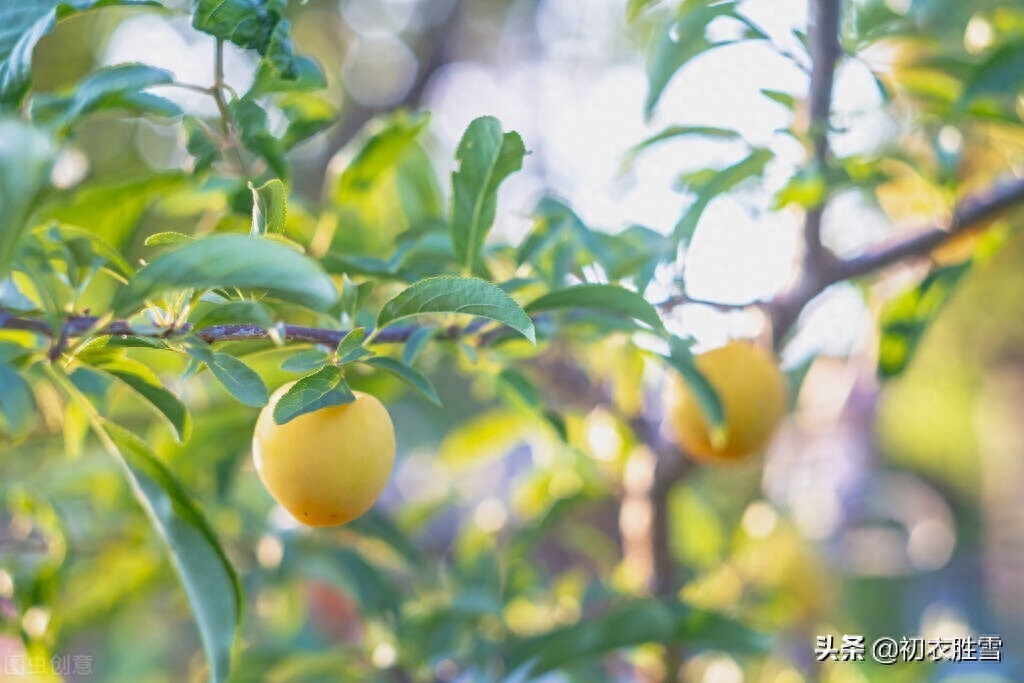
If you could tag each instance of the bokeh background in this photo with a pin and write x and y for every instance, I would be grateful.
(882, 508)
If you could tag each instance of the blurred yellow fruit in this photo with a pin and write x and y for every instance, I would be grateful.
(753, 395)
(329, 466)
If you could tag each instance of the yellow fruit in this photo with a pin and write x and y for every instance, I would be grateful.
(329, 466)
(753, 395)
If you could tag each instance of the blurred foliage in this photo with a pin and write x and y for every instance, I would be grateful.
(516, 374)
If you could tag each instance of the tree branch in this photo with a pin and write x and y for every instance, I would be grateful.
(823, 33)
(971, 211)
(80, 325)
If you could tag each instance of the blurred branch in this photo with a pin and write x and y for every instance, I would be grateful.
(825, 52)
(971, 211)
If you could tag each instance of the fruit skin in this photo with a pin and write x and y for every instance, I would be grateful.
(753, 394)
(329, 466)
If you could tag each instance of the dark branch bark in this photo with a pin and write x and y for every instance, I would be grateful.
(970, 213)
(80, 325)
(973, 210)
(823, 33)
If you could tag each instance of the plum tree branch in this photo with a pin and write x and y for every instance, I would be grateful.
(80, 325)
(971, 211)
(823, 33)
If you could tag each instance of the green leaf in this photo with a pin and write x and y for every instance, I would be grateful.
(199, 144)
(146, 384)
(254, 126)
(709, 184)
(673, 132)
(634, 8)
(325, 387)
(307, 115)
(26, 156)
(486, 156)
(468, 295)
(306, 75)
(25, 22)
(236, 313)
(113, 211)
(407, 374)
(167, 238)
(210, 581)
(97, 248)
(351, 344)
(521, 387)
(554, 220)
(17, 407)
(906, 318)
(306, 360)
(380, 154)
(415, 343)
(246, 23)
(269, 207)
(629, 624)
(240, 380)
(231, 261)
(604, 298)
(112, 87)
(681, 359)
(1001, 74)
(679, 41)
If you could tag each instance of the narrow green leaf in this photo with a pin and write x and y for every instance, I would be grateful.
(26, 155)
(17, 406)
(269, 207)
(326, 387)
(414, 378)
(679, 41)
(307, 115)
(906, 318)
(240, 380)
(681, 359)
(112, 87)
(469, 295)
(521, 387)
(113, 211)
(209, 579)
(630, 624)
(380, 154)
(231, 261)
(604, 298)
(141, 379)
(710, 183)
(210, 582)
(415, 343)
(25, 22)
(673, 132)
(486, 156)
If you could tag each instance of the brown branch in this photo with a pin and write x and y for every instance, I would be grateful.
(823, 33)
(971, 211)
(79, 325)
